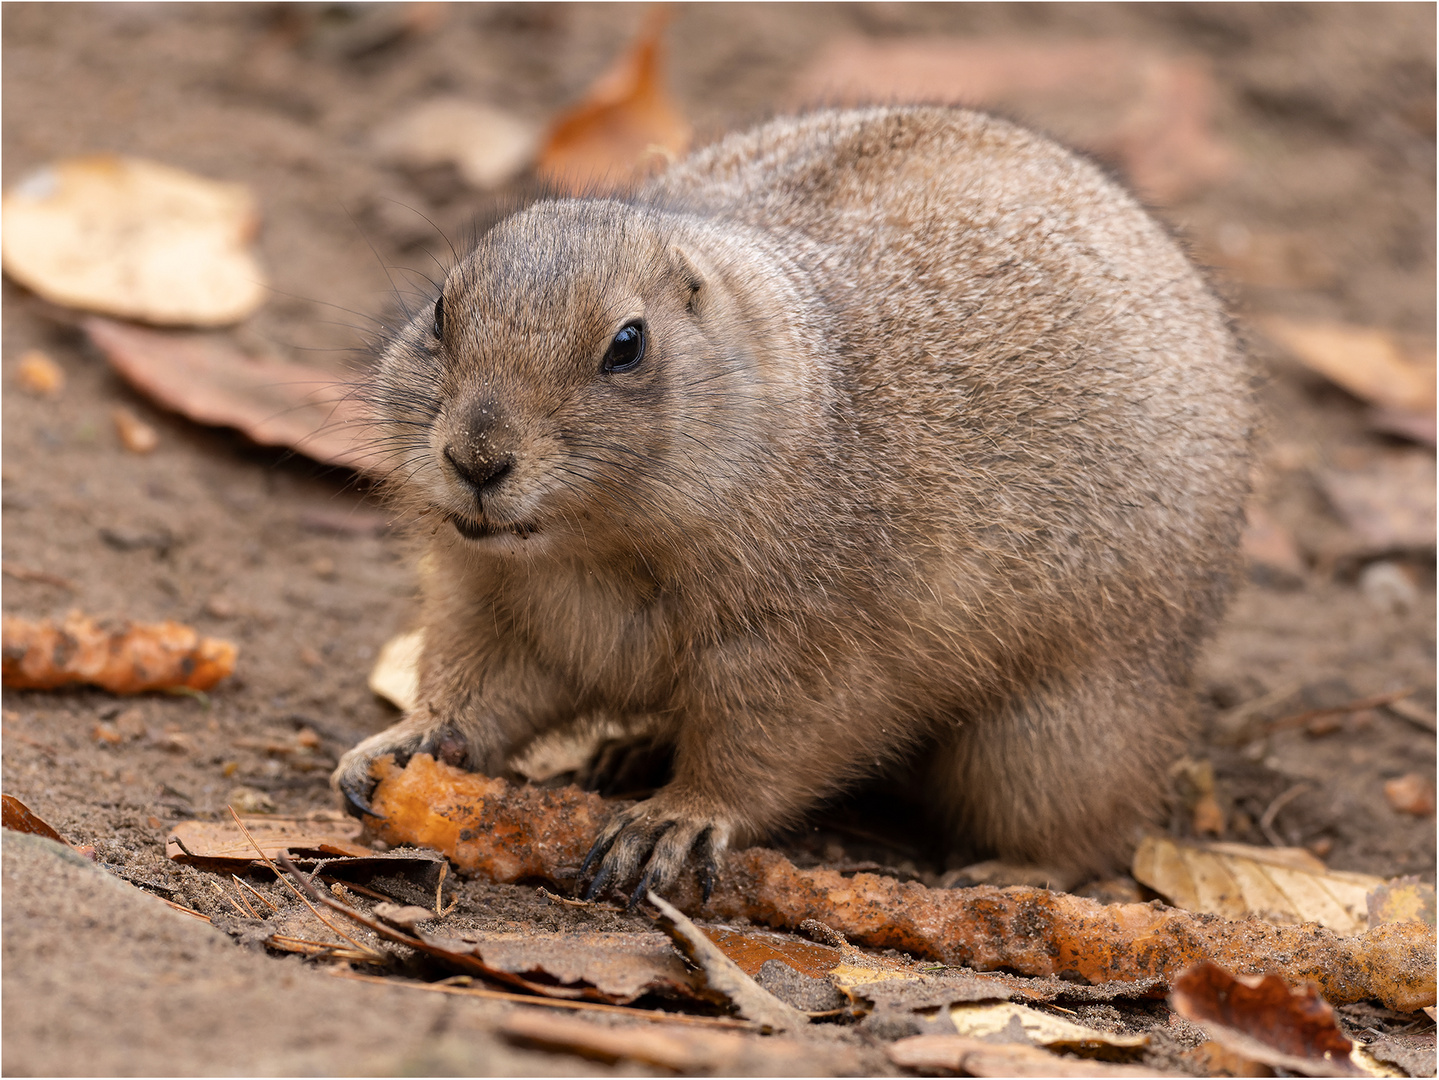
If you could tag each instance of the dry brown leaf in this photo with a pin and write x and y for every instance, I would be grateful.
(39, 375)
(1368, 362)
(625, 126)
(982, 1019)
(20, 818)
(978, 1057)
(1264, 1020)
(1279, 885)
(396, 674)
(126, 658)
(490, 827)
(595, 966)
(1150, 110)
(1389, 503)
(222, 842)
(329, 838)
(133, 238)
(135, 435)
(487, 146)
(599, 968)
(203, 378)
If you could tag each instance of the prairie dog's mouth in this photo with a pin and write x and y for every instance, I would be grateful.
(471, 529)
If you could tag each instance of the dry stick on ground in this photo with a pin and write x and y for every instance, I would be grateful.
(1414, 713)
(486, 824)
(261, 852)
(1266, 820)
(1284, 723)
(652, 1015)
(240, 892)
(258, 894)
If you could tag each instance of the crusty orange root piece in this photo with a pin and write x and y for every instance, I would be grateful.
(124, 658)
(508, 833)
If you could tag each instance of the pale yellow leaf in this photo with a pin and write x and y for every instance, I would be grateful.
(396, 674)
(985, 1018)
(134, 238)
(487, 146)
(1238, 881)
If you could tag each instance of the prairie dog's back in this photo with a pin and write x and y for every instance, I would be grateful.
(1008, 327)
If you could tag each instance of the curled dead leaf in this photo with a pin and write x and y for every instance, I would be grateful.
(1264, 1020)
(134, 238)
(127, 658)
(20, 818)
(624, 127)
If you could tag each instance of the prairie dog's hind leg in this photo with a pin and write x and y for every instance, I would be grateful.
(1065, 775)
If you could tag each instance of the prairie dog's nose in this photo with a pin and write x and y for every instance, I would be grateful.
(480, 472)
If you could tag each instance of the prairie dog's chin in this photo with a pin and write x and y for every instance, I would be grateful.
(479, 530)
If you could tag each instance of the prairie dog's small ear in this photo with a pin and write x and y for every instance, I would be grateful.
(691, 278)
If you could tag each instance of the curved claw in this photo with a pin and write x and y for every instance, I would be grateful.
(598, 850)
(709, 864)
(601, 882)
(355, 803)
(641, 890)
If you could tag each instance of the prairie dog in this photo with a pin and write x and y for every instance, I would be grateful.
(859, 439)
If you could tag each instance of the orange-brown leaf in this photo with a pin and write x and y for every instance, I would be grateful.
(1265, 1020)
(19, 817)
(276, 404)
(625, 126)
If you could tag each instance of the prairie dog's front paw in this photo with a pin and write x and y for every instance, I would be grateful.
(650, 843)
(412, 735)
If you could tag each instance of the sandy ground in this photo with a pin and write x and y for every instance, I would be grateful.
(1328, 112)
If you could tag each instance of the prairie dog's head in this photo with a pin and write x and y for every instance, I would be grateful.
(589, 375)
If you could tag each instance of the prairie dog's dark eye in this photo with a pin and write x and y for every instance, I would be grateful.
(627, 349)
(439, 326)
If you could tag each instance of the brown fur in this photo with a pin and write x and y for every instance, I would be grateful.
(938, 448)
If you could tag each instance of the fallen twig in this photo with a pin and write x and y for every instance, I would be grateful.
(722, 975)
(1284, 723)
(291, 866)
(1266, 820)
(451, 987)
(24, 573)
